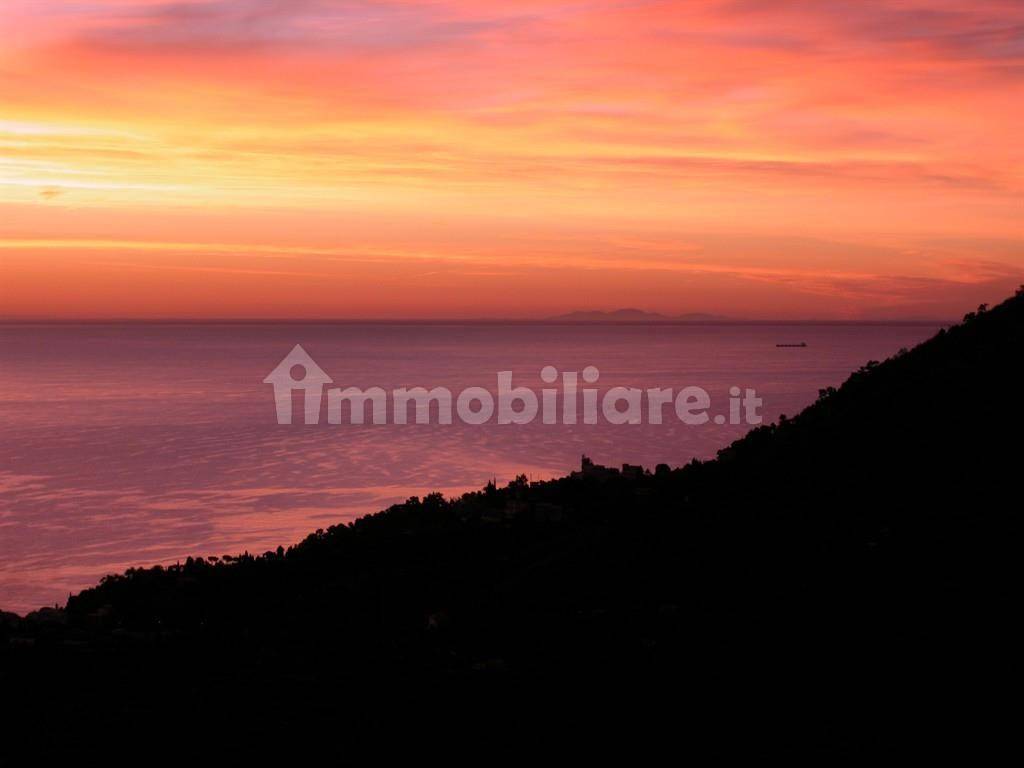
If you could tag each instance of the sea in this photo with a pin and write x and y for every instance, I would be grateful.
(135, 444)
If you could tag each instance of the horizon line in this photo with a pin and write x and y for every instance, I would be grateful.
(14, 321)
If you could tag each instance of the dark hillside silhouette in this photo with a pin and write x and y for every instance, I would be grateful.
(857, 558)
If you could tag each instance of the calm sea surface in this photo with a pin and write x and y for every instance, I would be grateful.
(129, 445)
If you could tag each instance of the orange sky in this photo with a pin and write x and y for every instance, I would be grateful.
(472, 158)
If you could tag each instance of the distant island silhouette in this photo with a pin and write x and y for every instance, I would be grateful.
(856, 559)
(636, 315)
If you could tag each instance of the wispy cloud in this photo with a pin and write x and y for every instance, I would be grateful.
(475, 141)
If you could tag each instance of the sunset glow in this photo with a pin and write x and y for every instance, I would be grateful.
(470, 158)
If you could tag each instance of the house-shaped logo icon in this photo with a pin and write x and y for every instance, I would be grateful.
(286, 379)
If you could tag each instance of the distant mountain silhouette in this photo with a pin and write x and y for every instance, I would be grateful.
(635, 315)
(841, 581)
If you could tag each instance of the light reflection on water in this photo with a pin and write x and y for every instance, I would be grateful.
(137, 444)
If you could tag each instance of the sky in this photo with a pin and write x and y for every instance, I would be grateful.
(837, 159)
